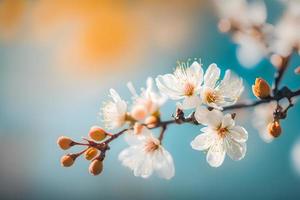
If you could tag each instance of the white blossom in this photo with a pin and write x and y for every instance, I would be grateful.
(149, 100)
(146, 155)
(251, 49)
(184, 83)
(114, 112)
(287, 30)
(217, 93)
(262, 116)
(220, 136)
(242, 13)
(250, 30)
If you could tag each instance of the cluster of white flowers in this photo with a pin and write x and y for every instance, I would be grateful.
(192, 89)
(256, 38)
(287, 36)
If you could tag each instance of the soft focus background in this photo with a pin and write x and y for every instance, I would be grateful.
(58, 59)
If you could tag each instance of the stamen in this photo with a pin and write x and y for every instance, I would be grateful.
(211, 97)
(189, 89)
(151, 146)
(222, 132)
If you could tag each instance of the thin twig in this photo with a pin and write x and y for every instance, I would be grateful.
(279, 73)
(162, 132)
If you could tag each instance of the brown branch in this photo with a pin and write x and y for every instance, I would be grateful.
(162, 132)
(279, 73)
(180, 119)
(114, 136)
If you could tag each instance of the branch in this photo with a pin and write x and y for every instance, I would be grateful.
(279, 74)
(162, 132)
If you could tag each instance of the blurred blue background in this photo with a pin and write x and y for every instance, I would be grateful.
(58, 60)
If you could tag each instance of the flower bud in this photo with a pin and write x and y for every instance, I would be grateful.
(97, 133)
(91, 153)
(137, 128)
(151, 121)
(274, 128)
(138, 112)
(64, 142)
(261, 88)
(67, 160)
(96, 167)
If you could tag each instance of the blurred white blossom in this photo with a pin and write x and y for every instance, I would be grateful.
(247, 23)
(262, 116)
(287, 30)
(242, 13)
(114, 112)
(148, 102)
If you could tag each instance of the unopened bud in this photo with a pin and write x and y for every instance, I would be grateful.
(96, 167)
(97, 133)
(64, 142)
(274, 128)
(91, 153)
(261, 88)
(138, 112)
(151, 121)
(138, 128)
(67, 160)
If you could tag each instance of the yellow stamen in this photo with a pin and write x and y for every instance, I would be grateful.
(151, 146)
(222, 132)
(189, 89)
(211, 97)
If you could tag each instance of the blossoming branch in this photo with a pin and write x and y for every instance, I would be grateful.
(203, 98)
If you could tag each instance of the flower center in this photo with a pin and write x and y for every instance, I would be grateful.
(211, 97)
(222, 132)
(189, 89)
(151, 146)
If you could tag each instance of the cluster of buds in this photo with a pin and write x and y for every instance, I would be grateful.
(262, 90)
(94, 152)
(280, 113)
(138, 119)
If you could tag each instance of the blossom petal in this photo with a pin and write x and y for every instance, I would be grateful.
(227, 121)
(235, 150)
(211, 76)
(214, 118)
(190, 102)
(144, 168)
(230, 89)
(163, 164)
(168, 85)
(133, 139)
(203, 141)
(238, 133)
(216, 155)
(195, 72)
(130, 157)
(114, 95)
(201, 114)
